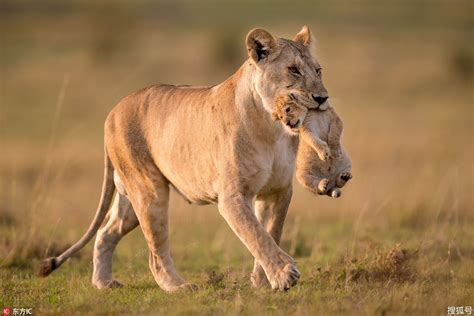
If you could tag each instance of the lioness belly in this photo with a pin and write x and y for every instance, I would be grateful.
(190, 177)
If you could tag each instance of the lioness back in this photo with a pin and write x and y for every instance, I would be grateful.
(184, 121)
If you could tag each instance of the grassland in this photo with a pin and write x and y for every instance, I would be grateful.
(399, 241)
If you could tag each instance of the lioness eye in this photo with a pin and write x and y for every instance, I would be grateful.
(287, 110)
(319, 72)
(294, 70)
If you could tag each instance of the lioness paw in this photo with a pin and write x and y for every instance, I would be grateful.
(284, 275)
(258, 279)
(114, 284)
(285, 278)
(187, 287)
(109, 284)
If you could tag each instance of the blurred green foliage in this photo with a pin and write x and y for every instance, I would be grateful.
(399, 73)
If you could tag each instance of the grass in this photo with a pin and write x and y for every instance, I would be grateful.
(380, 277)
(399, 240)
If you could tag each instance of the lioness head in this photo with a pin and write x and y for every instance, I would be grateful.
(284, 65)
(290, 110)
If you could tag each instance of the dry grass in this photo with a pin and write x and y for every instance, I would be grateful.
(400, 240)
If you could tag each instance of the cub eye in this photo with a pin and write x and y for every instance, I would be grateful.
(319, 72)
(294, 70)
(287, 110)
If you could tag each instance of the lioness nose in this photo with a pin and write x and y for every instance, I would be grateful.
(319, 99)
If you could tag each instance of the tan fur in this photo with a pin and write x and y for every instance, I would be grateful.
(212, 145)
(330, 169)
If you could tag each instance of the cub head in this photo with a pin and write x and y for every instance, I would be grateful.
(284, 66)
(290, 111)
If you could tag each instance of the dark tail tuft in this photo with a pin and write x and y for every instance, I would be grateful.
(47, 266)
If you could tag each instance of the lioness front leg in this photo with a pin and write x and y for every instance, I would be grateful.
(271, 210)
(279, 267)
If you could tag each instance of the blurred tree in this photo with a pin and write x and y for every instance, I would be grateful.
(114, 29)
(227, 48)
(462, 61)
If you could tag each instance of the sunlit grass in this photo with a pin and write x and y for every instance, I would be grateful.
(400, 79)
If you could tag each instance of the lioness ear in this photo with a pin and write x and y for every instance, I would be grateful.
(304, 36)
(260, 45)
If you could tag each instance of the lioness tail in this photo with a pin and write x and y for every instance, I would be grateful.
(108, 188)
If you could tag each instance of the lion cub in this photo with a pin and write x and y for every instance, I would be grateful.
(320, 132)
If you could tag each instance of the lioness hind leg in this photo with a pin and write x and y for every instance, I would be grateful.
(151, 209)
(122, 220)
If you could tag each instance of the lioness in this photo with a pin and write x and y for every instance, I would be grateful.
(215, 144)
(323, 166)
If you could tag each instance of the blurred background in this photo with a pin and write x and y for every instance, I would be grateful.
(400, 73)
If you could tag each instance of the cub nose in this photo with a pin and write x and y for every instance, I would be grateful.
(319, 99)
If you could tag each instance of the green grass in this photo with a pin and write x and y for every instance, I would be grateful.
(400, 75)
(429, 271)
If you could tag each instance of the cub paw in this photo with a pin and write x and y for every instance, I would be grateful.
(346, 176)
(335, 193)
(324, 153)
(323, 186)
(342, 179)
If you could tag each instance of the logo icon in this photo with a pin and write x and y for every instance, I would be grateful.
(6, 311)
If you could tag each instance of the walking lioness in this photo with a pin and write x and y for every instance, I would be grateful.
(212, 145)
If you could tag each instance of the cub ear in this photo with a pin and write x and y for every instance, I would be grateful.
(304, 36)
(261, 45)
